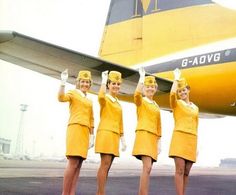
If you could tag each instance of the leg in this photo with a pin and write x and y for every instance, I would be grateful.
(179, 175)
(106, 161)
(188, 166)
(76, 177)
(144, 178)
(69, 174)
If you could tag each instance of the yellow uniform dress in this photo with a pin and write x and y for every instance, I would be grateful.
(80, 121)
(148, 130)
(184, 138)
(110, 127)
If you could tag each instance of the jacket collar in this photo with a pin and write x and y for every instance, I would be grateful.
(81, 93)
(191, 105)
(150, 101)
(112, 98)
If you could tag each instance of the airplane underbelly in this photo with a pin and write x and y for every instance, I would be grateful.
(213, 87)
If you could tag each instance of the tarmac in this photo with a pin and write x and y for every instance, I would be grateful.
(45, 178)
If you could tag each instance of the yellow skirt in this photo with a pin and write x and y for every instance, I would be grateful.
(107, 142)
(145, 144)
(77, 140)
(183, 145)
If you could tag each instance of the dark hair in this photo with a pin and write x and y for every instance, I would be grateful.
(108, 82)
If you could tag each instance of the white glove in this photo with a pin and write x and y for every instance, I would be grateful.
(64, 77)
(197, 151)
(123, 144)
(177, 74)
(141, 74)
(91, 141)
(104, 77)
(159, 146)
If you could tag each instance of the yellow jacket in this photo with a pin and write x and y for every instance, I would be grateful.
(81, 108)
(186, 116)
(110, 114)
(148, 115)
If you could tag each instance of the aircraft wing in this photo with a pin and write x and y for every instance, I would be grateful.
(51, 60)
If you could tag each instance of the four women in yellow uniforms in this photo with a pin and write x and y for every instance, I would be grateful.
(148, 130)
(183, 146)
(110, 129)
(79, 135)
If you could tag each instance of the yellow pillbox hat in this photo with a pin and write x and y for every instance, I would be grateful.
(84, 74)
(115, 76)
(150, 80)
(182, 83)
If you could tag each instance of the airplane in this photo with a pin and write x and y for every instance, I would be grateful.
(196, 36)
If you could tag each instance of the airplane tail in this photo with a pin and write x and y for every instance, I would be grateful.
(140, 30)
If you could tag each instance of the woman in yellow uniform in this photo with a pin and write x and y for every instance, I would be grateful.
(79, 135)
(110, 129)
(183, 146)
(148, 130)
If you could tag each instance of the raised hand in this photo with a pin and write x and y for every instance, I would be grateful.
(104, 77)
(141, 75)
(64, 77)
(177, 74)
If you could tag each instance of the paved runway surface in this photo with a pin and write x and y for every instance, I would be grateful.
(163, 185)
(24, 178)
